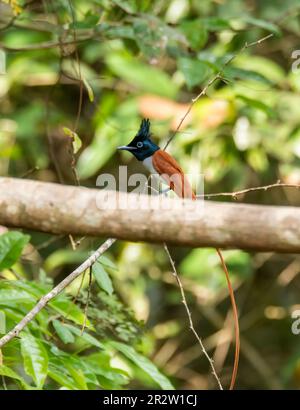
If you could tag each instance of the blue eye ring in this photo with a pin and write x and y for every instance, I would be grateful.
(139, 144)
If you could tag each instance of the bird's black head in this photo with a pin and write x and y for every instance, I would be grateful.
(141, 146)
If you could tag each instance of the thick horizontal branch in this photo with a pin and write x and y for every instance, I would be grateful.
(60, 209)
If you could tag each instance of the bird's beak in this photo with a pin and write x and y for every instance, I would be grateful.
(126, 148)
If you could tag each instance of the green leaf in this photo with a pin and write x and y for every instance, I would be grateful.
(63, 257)
(241, 74)
(267, 25)
(143, 363)
(258, 105)
(2, 322)
(195, 32)
(57, 374)
(14, 297)
(78, 376)
(107, 262)
(90, 21)
(85, 336)
(69, 310)
(262, 65)
(102, 278)
(127, 5)
(147, 35)
(7, 372)
(199, 264)
(138, 74)
(63, 332)
(35, 358)
(98, 153)
(194, 71)
(11, 246)
(76, 141)
(99, 364)
(89, 90)
(215, 24)
(258, 159)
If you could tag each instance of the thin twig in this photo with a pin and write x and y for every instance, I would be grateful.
(87, 301)
(75, 297)
(218, 76)
(175, 274)
(29, 172)
(80, 81)
(55, 291)
(245, 191)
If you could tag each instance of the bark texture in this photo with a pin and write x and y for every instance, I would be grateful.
(61, 209)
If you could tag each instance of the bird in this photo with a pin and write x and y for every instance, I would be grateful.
(159, 162)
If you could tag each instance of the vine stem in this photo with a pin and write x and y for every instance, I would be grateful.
(177, 278)
(236, 321)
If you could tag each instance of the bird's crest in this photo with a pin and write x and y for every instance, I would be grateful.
(144, 131)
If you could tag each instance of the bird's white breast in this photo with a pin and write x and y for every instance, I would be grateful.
(158, 180)
(149, 165)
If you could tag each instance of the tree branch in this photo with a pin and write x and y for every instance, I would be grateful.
(235, 194)
(61, 209)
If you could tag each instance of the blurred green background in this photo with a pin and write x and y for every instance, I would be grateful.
(134, 59)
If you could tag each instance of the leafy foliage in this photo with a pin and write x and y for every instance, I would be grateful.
(48, 347)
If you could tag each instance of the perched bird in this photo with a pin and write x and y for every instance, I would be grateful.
(159, 162)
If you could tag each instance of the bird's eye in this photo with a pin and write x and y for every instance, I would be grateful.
(139, 144)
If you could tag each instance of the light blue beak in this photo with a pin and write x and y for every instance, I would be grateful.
(126, 148)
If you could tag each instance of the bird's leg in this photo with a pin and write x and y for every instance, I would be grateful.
(164, 191)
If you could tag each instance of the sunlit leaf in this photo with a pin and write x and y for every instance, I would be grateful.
(2, 322)
(8, 372)
(85, 336)
(194, 71)
(64, 257)
(14, 297)
(11, 246)
(267, 25)
(145, 364)
(195, 32)
(35, 358)
(128, 5)
(78, 376)
(241, 74)
(104, 260)
(76, 141)
(102, 278)
(89, 90)
(260, 105)
(215, 23)
(138, 74)
(59, 375)
(63, 332)
(69, 310)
